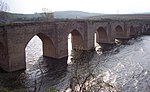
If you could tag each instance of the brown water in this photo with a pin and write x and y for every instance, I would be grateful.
(126, 67)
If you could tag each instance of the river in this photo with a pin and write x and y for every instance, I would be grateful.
(126, 67)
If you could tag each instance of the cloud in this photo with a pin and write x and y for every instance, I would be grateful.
(99, 6)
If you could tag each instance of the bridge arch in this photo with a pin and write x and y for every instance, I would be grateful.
(76, 39)
(119, 30)
(49, 49)
(101, 35)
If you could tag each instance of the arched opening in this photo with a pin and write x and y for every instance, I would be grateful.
(119, 31)
(49, 49)
(39, 45)
(132, 31)
(101, 35)
(76, 40)
(100, 38)
(33, 51)
(3, 56)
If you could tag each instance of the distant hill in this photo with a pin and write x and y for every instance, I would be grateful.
(121, 16)
(73, 14)
(66, 14)
(38, 16)
(146, 12)
(14, 17)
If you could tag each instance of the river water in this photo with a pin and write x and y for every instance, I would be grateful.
(126, 67)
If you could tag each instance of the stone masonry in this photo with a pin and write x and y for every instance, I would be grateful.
(54, 35)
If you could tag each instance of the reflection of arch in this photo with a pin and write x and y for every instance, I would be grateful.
(49, 49)
(76, 39)
(132, 31)
(3, 54)
(119, 30)
(101, 34)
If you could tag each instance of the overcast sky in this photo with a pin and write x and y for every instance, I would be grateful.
(96, 6)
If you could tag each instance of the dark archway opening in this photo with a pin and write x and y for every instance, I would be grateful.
(49, 49)
(101, 38)
(75, 39)
(132, 31)
(119, 31)
(101, 35)
(119, 34)
(75, 42)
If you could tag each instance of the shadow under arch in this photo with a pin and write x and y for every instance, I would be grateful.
(132, 31)
(119, 31)
(3, 57)
(101, 35)
(76, 39)
(49, 49)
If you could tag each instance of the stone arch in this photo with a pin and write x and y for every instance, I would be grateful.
(101, 35)
(76, 39)
(119, 30)
(49, 49)
(3, 57)
(132, 31)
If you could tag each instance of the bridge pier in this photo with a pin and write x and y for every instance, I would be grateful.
(12, 58)
(17, 60)
(4, 57)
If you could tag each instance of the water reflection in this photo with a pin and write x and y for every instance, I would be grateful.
(46, 73)
(126, 67)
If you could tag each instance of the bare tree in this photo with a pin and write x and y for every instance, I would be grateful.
(87, 82)
(47, 14)
(3, 15)
(3, 6)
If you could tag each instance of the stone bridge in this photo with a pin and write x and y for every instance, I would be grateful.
(54, 35)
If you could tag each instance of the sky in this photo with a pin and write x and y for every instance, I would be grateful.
(94, 6)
